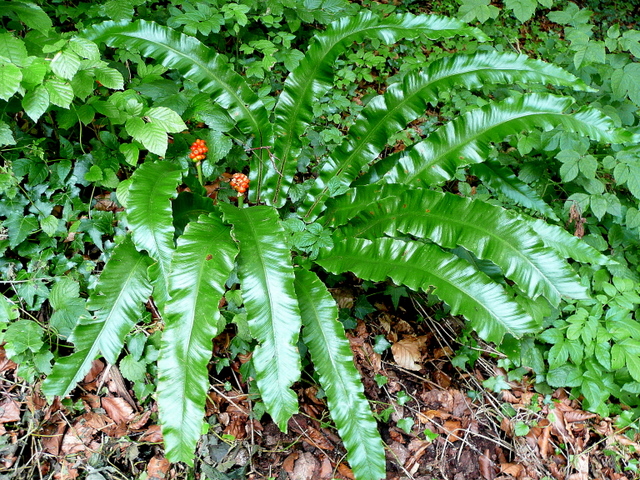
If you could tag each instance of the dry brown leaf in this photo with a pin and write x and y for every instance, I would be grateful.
(453, 428)
(158, 468)
(346, 471)
(406, 353)
(399, 453)
(118, 409)
(574, 416)
(326, 470)
(77, 438)
(5, 363)
(152, 435)
(9, 411)
(513, 469)
(486, 466)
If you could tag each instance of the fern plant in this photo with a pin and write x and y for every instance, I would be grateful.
(497, 268)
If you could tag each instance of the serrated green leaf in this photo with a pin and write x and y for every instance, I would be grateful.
(34, 73)
(12, 50)
(480, 9)
(200, 267)
(421, 266)
(169, 120)
(333, 360)
(131, 153)
(65, 64)
(522, 9)
(132, 370)
(6, 135)
(10, 77)
(109, 77)
(60, 93)
(30, 14)
(117, 301)
(84, 48)
(266, 276)
(151, 135)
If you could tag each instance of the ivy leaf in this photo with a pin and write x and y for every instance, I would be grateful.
(22, 336)
(10, 77)
(20, 227)
(49, 225)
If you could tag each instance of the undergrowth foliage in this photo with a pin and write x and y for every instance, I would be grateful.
(495, 267)
(359, 205)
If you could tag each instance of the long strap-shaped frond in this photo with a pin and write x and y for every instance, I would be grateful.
(485, 304)
(406, 101)
(313, 77)
(199, 63)
(342, 209)
(567, 245)
(490, 232)
(149, 216)
(332, 358)
(502, 180)
(118, 298)
(266, 276)
(467, 139)
(201, 265)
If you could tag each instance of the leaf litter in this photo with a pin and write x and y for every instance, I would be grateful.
(437, 421)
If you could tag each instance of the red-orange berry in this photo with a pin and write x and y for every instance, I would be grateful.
(198, 150)
(239, 182)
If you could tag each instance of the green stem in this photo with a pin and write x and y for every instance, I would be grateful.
(199, 168)
(240, 200)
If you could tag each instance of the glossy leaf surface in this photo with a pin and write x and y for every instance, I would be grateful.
(149, 214)
(467, 139)
(200, 267)
(407, 100)
(118, 301)
(490, 232)
(313, 77)
(266, 276)
(332, 358)
(491, 312)
(499, 178)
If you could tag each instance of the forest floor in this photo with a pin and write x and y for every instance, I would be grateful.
(438, 422)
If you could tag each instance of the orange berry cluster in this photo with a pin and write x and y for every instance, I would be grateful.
(198, 150)
(239, 182)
